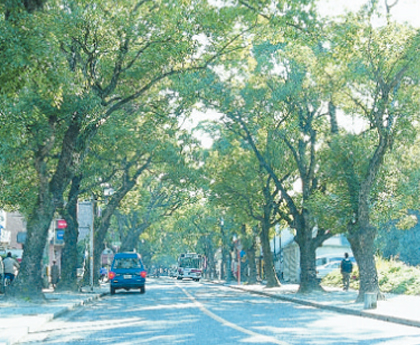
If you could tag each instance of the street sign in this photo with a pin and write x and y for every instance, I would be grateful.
(5, 236)
(21, 237)
(85, 219)
(61, 224)
(60, 235)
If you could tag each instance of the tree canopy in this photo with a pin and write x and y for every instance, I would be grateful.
(95, 92)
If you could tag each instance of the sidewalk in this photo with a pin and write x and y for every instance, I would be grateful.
(17, 320)
(402, 309)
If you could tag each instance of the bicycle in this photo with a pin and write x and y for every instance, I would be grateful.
(7, 279)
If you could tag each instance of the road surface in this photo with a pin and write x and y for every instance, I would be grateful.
(186, 312)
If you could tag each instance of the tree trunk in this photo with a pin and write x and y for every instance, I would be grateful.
(28, 284)
(68, 281)
(249, 243)
(250, 254)
(269, 270)
(362, 245)
(308, 279)
(50, 197)
(98, 248)
(101, 230)
(223, 263)
(131, 240)
(225, 253)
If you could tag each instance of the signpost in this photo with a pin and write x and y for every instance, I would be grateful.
(85, 219)
(61, 225)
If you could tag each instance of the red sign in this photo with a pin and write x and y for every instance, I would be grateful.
(61, 224)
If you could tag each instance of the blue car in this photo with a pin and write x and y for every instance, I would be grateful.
(127, 272)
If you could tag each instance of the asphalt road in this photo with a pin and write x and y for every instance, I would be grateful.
(185, 312)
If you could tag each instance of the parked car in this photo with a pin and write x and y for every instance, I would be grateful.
(173, 272)
(127, 272)
(323, 260)
(331, 265)
(323, 270)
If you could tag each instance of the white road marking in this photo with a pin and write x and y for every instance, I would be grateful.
(230, 324)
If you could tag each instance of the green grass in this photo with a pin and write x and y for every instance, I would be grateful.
(394, 277)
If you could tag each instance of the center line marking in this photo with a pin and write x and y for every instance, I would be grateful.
(230, 324)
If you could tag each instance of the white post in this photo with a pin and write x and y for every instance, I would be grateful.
(370, 300)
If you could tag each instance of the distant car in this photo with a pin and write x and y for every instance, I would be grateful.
(127, 272)
(323, 270)
(323, 260)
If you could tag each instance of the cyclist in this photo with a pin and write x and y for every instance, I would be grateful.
(11, 267)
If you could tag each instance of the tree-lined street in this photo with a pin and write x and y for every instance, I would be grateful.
(314, 129)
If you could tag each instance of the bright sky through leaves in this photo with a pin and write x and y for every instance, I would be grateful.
(403, 11)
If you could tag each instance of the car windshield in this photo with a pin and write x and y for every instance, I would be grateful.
(127, 263)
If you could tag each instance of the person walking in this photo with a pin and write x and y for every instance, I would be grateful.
(103, 273)
(11, 267)
(55, 274)
(346, 269)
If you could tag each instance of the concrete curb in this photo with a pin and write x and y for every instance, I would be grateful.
(49, 317)
(77, 305)
(361, 313)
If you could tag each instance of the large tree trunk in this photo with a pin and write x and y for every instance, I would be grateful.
(362, 234)
(51, 189)
(269, 270)
(28, 284)
(362, 245)
(308, 280)
(68, 279)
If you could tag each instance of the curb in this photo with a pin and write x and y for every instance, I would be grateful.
(49, 317)
(77, 305)
(361, 313)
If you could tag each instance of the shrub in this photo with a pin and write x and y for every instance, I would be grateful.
(393, 276)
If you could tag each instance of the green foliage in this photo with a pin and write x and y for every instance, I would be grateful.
(335, 279)
(126, 72)
(392, 241)
(394, 277)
